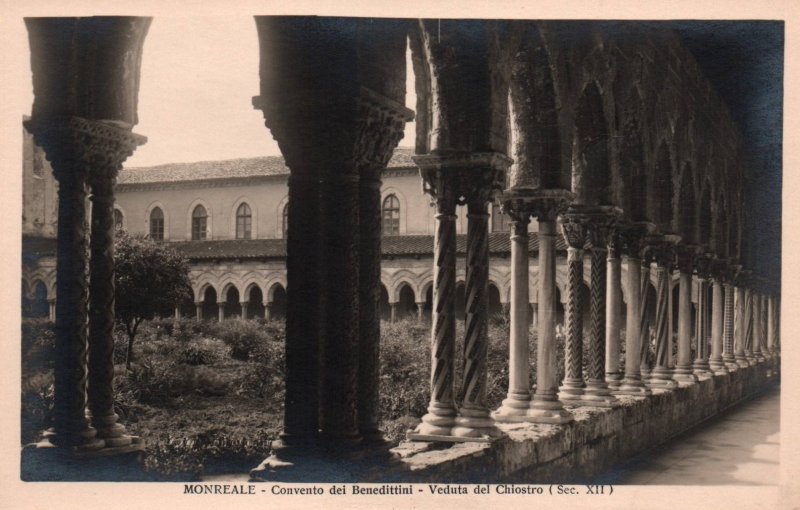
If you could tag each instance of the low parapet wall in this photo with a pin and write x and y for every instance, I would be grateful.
(595, 441)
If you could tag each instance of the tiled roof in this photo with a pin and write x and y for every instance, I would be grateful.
(229, 168)
(391, 246)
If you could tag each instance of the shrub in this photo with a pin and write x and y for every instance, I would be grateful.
(37, 405)
(203, 351)
(38, 345)
(243, 337)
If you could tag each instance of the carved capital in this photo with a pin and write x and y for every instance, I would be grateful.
(380, 126)
(575, 230)
(685, 257)
(544, 204)
(93, 149)
(704, 266)
(662, 248)
(632, 237)
(463, 177)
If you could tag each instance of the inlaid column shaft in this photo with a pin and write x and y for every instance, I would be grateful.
(220, 312)
(440, 417)
(613, 317)
(771, 325)
(268, 312)
(100, 388)
(70, 426)
(683, 368)
(243, 305)
(545, 407)
(739, 327)
(727, 328)
(661, 376)
(515, 405)
(198, 310)
(748, 326)
(632, 383)
(759, 329)
(338, 417)
(596, 391)
(420, 311)
(473, 418)
(572, 387)
(700, 363)
(644, 321)
(369, 313)
(715, 362)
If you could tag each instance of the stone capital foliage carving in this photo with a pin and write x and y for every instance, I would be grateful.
(93, 149)
(685, 257)
(662, 249)
(358, 128)
(600, 222)
(544, 204)
(704, 265)
(632, 237)
(575, 230)
(462, 178)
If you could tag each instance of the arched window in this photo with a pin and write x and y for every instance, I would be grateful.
(500, 221)
(199, 219)
(157, 224)
(118, 219)
(285, 229)
(244, 222)
(391, 215)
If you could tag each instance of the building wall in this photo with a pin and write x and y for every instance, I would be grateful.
(39, 189)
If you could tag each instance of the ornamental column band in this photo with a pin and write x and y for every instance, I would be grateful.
(632, 384)
(112, 145)
(448, 178)
(661, 376)
(645, 337)
(613, 312)
(748, 321)
(759, 328)
(715, 362)
(700, 363)
(79, 150)
(385, 120)
(683, 368)
(574, 231)
(739, 325)
(728, 356)
(600, 230)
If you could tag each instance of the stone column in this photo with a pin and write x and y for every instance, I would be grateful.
(113, 144)
(515, 406)
(393, 312)
(51, 309)
(420, 311)
(739, 327)
(727, 328)
(700, 363)
(749, 326)
(661, 376)
(220, 312)
(546, 407)
(771, 330)
(533, 308)
(268, 311)
(759, 330)
(683, 368)
(632, 384)
(244, 304)
(645, 337)
(440, 418)
(473, 418)
(177, 313)
(597, 391)
(613, 314)
(572, 388)
(198, 310)
(715, 362)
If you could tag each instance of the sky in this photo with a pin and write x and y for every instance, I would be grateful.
(198, 78)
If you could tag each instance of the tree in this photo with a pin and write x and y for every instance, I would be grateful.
(150, 277)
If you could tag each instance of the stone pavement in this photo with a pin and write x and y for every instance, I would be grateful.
(737, 448)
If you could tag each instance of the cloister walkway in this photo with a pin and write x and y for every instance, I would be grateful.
(740, 447)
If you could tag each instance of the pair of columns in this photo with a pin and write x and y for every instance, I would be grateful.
(453, 179)
(545, 406)
(198, 305)
(86, 155)
(595, 225)
(393, 311)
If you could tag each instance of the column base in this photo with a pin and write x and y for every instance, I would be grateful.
(571, 391)
(475, 423)
(597, 400)
(111, 431)
(718, 367)
(439, 421)
(548, 410)
(613, 380)
(742, 361)
(76, 442)
(700, 367)
(662, 384)
(684, 375)
(513, 409)
(633, 386)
